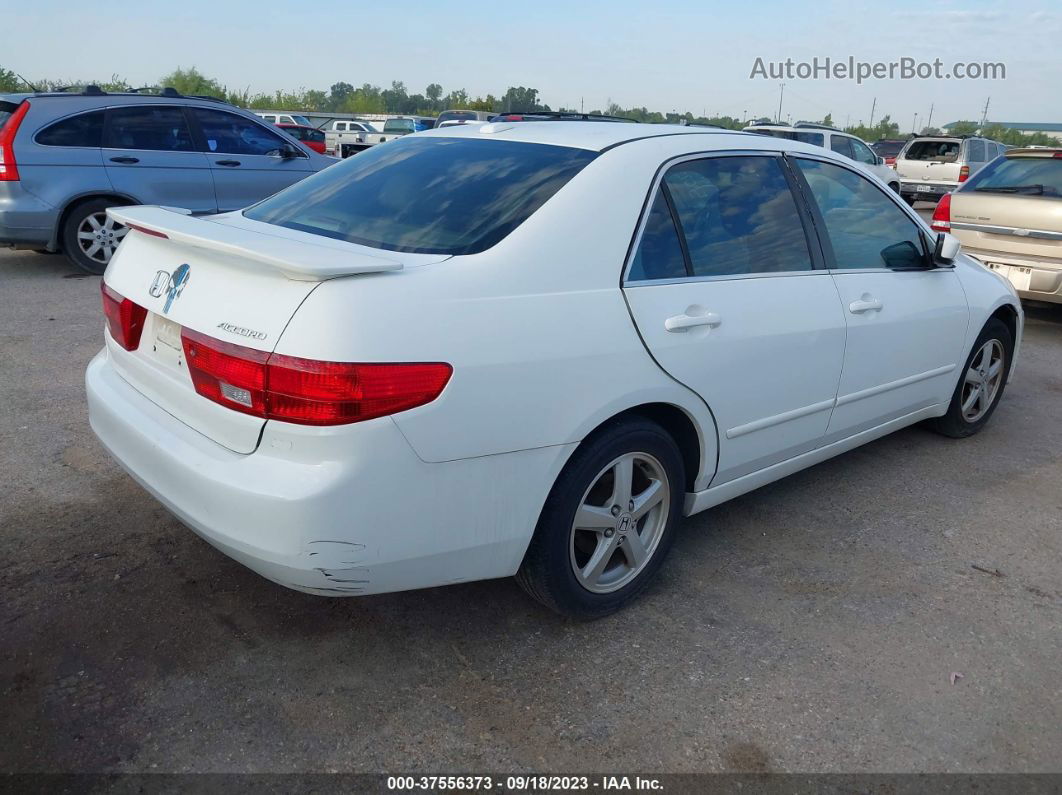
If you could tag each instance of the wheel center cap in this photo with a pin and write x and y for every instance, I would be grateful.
(624, 523)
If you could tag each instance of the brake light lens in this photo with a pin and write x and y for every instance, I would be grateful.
(307, 391)
(125, 319)
(942, 215)
(964, 173)
(8, 168)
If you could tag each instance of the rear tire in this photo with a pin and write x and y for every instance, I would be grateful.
(89, 236)
(608, 522)
(981, 383)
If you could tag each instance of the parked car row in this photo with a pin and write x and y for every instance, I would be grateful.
(66, 158)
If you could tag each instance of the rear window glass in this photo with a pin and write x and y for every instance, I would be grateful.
(945, 151)
(1036, 176)
(792, 135)
(398, 125)
(426, 195)
(85, 129)
(887, 148)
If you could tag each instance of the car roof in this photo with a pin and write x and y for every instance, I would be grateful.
(594, 136)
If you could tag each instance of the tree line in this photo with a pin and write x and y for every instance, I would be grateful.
(344, 97)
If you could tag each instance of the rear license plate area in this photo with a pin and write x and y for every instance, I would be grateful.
(166, 347)
(1016, 275)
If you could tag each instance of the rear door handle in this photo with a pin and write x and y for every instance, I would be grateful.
(680, 323)
(128, 160)
(229, 163)
(865, 304)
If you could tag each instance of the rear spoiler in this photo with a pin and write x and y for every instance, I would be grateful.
(297, 260)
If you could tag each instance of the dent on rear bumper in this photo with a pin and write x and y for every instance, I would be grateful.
(340, 511)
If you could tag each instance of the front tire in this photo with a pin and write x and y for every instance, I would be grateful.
(981, 384)
(90, 237)
(608, 522)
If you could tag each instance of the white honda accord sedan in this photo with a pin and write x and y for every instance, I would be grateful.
(529, 349)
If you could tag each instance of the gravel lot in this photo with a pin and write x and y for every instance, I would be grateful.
(812, 625)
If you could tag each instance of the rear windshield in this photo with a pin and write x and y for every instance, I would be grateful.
(426, 195)
(449, 115)
(398, 125)
(944, 151)
(887, 148)
(793, 135)
(1037, 176)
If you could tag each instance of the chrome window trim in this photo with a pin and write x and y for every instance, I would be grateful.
(661, 172)
(725, 277)
(1040, 234)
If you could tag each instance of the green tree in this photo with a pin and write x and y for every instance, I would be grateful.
(10, 82)
(434, 94)
(963, 128)
(827, 120)
(192, 81)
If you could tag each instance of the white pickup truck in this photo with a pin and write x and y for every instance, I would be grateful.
(392, 128)
(343, 137)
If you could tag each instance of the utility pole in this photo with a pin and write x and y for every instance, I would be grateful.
(781, 93)
(914, 125)
(929, 121)
(984, 115)
(744, 117)
(580, 104)
(873, 107)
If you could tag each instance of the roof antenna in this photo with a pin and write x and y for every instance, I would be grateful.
(28, 83)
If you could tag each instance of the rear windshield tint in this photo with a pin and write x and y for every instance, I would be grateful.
(888, 148)
(426, 195)
(945, 151)
(1038, 176)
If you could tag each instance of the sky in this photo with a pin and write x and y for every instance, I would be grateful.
(666, 55)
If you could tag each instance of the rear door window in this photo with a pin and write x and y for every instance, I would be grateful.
(659, 254)
(149, 127)
(842, 146)
(85, 129)
(427, 195)
(737, 215)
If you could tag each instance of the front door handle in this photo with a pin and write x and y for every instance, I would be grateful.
(680, 323)
(127, 160)
(865, 304)
(229, 163)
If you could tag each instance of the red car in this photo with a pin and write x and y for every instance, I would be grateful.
(309, 136)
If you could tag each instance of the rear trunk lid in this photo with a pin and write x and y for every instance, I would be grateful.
(237, 280)
(1026, 226)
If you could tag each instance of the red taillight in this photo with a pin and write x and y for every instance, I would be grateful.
(964, 173)
(307, 391)
(942, 215)
(8, 168)
(125, 319)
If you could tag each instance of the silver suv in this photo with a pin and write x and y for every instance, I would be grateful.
(65, 158)
(930, 166)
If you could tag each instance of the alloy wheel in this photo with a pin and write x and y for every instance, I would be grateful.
(620, 522)
(98, 236)
(983, 380)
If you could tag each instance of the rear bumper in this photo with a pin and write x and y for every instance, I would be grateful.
(926, 190)
(25, 220)
(337, 512)
(1034, 280)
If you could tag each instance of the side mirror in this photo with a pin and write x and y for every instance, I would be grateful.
(946, 250)
(287, 151)
(881, 160)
